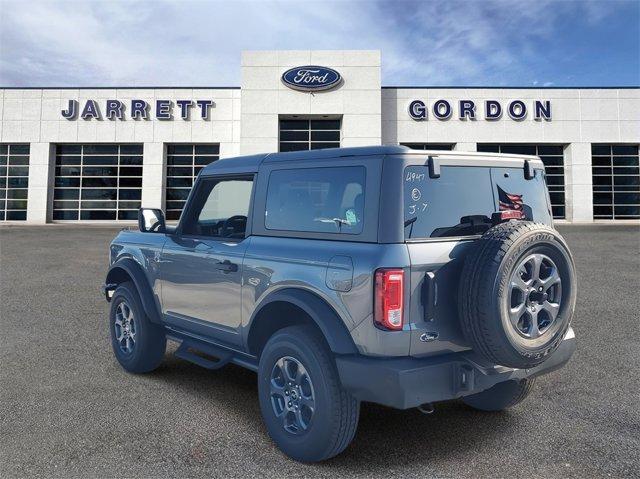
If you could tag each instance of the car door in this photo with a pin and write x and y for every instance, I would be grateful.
(201, 263)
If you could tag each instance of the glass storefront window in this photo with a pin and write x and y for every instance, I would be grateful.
(184, 162)
(616, 181)
(299, 135)
(429, 146)
(97, 182)
(14, 181)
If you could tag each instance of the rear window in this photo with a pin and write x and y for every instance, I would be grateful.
(318, 200)
(433, 207)
(462, 200)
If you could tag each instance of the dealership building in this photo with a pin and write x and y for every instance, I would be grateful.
(98, 154)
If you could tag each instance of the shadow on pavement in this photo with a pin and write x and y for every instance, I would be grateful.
(385, 437)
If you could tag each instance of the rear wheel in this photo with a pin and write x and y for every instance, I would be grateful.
(138, 344)
(307, 413)
(501, 396)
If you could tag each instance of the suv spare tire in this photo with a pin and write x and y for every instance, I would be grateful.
(517, 293)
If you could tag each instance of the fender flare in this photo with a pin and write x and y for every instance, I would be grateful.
(321, 313)
(140, 280)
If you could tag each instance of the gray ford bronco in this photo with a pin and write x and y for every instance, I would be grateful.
(376, 274)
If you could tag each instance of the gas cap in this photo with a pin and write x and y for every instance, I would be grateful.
(339, 275)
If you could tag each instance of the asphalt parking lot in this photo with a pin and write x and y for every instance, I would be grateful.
(68, 410)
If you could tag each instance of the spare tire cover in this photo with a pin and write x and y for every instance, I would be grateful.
(517, 293)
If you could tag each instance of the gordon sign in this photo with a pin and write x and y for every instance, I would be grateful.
(490, 109)
(137, 109)
(311, 78)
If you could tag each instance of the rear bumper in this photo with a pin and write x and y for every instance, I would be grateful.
(408, 382)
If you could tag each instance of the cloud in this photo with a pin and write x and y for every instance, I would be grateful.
(198, 43)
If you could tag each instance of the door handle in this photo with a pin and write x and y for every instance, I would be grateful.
(226, 266)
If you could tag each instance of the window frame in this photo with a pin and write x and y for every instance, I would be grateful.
(187, 211)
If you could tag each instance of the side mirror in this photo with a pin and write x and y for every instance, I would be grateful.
(151, 220)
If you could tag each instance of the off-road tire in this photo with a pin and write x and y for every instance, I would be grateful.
(150, 338)
(484, 287)
(335, 419)
(501, 396)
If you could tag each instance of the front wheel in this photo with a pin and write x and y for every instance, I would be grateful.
(307, 413)
(138, 344)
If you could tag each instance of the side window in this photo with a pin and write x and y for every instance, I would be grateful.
(219, 208)
(318, 200)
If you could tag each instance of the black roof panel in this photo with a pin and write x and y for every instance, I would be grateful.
(236, 164)
(336, 152)
(251, 163)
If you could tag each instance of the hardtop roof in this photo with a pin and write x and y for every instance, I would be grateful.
(251, 163)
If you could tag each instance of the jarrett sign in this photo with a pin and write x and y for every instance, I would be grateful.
(137, 109)
(489, 110)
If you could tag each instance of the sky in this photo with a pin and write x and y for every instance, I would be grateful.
(438, 43)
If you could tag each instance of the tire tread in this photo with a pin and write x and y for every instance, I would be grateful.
(346, 415)
(345, 410)
(477, 288)
(152, 336)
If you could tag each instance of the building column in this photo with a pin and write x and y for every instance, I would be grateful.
(41, 182)
(154, 161)
(578, 183)
(465, 146)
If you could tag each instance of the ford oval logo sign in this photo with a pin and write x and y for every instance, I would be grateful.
(311, 78)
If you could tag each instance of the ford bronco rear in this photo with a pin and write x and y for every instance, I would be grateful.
(375, 274)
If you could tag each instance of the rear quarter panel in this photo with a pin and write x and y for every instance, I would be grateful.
(274, 263)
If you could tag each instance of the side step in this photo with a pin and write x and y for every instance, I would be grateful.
(203, 354)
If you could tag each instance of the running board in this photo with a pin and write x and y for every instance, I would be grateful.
(203, 354)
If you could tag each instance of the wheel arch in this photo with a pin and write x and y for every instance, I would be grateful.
(127, 269)
(293, 306)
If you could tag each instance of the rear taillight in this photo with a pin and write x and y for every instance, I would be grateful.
(389, 298)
